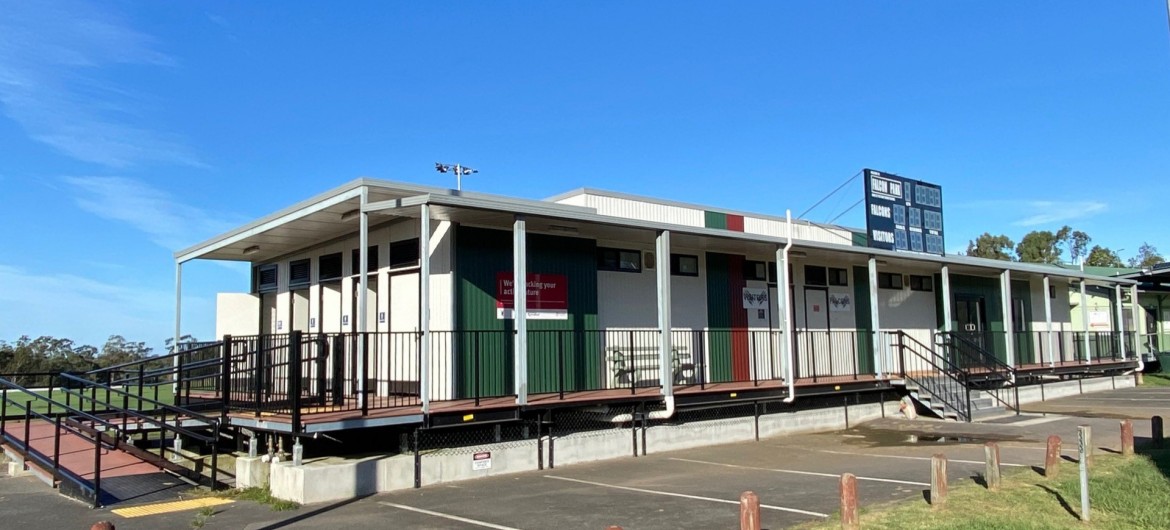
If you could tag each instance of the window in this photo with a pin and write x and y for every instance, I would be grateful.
(684, 265)
(889, 280)
(838, 277)
(755, 270)
(617, 259)
(329, 267)
(814, 275)
(921, 283)
(404, 253)
(264, 278)
(371, 260)
(299, 273)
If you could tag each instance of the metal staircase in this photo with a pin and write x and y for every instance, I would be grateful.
(955, 379)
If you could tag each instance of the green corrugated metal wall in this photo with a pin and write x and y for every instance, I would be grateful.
(861, 311)
(718, 317)
(482, 253)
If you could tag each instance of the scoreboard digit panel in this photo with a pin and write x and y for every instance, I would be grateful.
(903, 214)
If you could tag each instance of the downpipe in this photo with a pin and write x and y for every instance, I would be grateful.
(788, 321)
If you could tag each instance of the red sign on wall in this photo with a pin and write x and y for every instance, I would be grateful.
(548, 296)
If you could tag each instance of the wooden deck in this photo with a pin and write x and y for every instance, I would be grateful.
(383, 411)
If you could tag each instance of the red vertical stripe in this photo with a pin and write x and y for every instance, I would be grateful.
(740, 356)
(735, 223)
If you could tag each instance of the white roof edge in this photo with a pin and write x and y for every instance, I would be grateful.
(542, 208)
(681, 204)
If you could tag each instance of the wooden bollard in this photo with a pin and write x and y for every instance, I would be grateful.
(849, 517)
(749, 511)
(991, 469)
(1052, 457)
(1156, 431)
(938, 480)
(1126, 438)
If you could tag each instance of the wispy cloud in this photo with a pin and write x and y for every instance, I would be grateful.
(84, 309)
(1039, 212)
(167, 221)
(55, 59)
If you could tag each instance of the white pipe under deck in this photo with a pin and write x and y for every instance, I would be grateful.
(1005, 287)
(363, 294)
(1134, 307)
(875, 319)
(520, 307)
(1048, 321)
(424, 306)
(1085, 323)
(948, 326)
(666, 342)
(786, 295)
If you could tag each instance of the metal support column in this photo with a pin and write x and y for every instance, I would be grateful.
(1048, 321)
(178, 323)
(1134, 309)
(948, 326)
(424, 307)
(363, 287)
(875, 320)
(665, 344)
(1085, 323)
(520, 306)
(1009, 342)
(1120, 310)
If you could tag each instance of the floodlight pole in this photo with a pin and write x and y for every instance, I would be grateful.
(458, 169)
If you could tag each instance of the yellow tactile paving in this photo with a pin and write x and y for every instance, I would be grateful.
(169, 507)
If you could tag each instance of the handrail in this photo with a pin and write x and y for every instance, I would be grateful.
(981, 355)
(963, 410)
(158, 404)
(153, 358)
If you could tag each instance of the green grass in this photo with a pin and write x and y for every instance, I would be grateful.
(1124, 493)
(1156, 379)
(17, 400)
(257, 494)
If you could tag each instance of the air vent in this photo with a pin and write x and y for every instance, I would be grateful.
(265, 278)
(329, 267)
(299, 273)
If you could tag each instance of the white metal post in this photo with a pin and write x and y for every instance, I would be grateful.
(1120, 310)
(363, 295)
(1005, 287)
(948, 326)
(1134, 314)
(875, 320)
(520, 307)
(424, 306)
(1048, 321)
(665, 345)
(783, 305)
(1085, 323)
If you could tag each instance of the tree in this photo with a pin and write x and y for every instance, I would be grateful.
(1146, 257)
(991, 247)
(1041, 246)
(1100, 256)
(1077, 243)
(118, 350)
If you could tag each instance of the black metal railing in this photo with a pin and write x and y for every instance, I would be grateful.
(971, 356)
(105, 430)
(933, 374)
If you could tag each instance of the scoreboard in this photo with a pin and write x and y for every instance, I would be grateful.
(903, 214)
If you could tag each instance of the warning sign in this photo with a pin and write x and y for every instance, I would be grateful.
(481, 461)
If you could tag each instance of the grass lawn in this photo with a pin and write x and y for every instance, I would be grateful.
(165, 395)
(1124, 493)
(1156, 379)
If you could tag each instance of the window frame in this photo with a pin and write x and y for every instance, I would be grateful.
(395, 250)
(752, 268)
(258, 272)
(618, 264)
(321, 270)
(293, 268)
(925, 283)
(835, 276)
(676, 265)
(822, 275)
(885, 281)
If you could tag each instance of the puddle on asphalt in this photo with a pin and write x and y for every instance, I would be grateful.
(879, 438)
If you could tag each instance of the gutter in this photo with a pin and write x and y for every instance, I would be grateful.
(783, 287)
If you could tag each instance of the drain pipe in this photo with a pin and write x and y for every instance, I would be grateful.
(664, 414)
(782, 290)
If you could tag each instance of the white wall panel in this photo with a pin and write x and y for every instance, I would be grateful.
(236, 314)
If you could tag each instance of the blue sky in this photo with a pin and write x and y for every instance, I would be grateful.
(131, 129)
